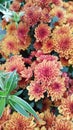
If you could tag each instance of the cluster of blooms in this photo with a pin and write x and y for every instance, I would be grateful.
(38, 47)
(48, 121)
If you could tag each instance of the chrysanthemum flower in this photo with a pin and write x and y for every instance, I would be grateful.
(48, 46)
(70, 19)
(41, 122)
(70, 61)
(69, 6)
(60, 13)
(56, 89)
(64, 45)
(45, 17)
(32, 14)
(18, 122)
(66, 107)
(3, 23)
(61, 30)
(23, 45)
(15, 6)
(36, 90)
(49, 118)
(26, 73)
(14, 63)
(42, 32)
(43, 3)
(47, 71)
(22, 31)
(41, 56)
(61, 124)
(10, 45)
(5, 117)
(38, 45)
(11, 28)
(57, 2)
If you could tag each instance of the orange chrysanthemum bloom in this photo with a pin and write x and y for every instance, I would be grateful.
(48, 46)
(62, 125)
(61, 30)
(49, 118)
(43, 3)
(40, 123)
(11, 28)
(64, 45)
(45, 17)
(26, 73)
(47, 71)
(57, 2)
(36, 90)
(18, 122)
(41, 56)
(14, 63)
(23, 45)
(3, 24)
(56, 89)
(5, 117)
(10, 45)
(32, 14)
(70, 19)
(60, 13)
(38, 45)
(70, 61)
(15, 6)
(42, 32)
(66, 107)
(22, 31)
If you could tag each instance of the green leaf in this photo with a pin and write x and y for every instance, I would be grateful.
(2, 105)
(3, 94)
(24, 104)
(18, 108)
(11, 81)
(1, 84)
(2, 8)
(4, 74)
(18, 93)
(7, 4)
(2, 1)
(16, 17)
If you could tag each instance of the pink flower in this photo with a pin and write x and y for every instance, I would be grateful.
(36, 90)
(56, 89)
(42, 32)
(47, 71)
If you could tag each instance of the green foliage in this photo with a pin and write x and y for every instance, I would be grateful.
(68, 70)
(3, 1)
(8, 82)
(16, 17)
(7, 14)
